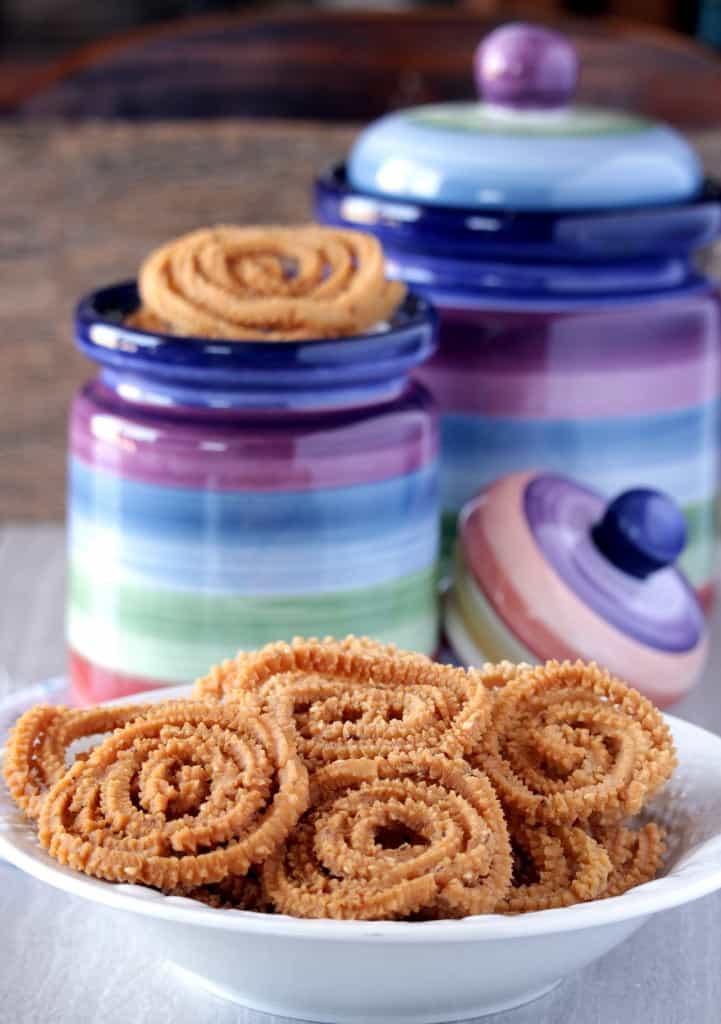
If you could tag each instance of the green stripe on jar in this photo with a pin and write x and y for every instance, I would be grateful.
(176, 636)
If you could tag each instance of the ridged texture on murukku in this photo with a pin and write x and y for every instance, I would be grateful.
(36, 752)
(554, 866)
(496, 675)
(181, 797)
(355, 699)
(393, 838)
(569, 741)
(223, 681)
(267, 284)
(636, 855)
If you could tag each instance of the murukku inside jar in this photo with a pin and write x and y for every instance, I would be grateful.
(226, 494)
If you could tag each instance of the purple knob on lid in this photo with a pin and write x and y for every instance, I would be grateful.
(641, 532)
(526, 66)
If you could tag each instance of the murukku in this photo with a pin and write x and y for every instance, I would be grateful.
(554, 866)
(267, 284)
(392, 838)
(223, 681)
(181, 797)
(236, 892)
(496, 675)
(636, 855)
(36, 752)
(355, 699)
(569, 741)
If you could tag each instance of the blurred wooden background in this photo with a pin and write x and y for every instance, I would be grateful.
(353, 66)
(84, 200)
(34, 33)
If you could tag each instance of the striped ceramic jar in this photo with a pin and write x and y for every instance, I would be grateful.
(585, 343)
(616, 395)
(225, 495)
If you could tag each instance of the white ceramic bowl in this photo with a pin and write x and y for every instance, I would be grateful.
(357, 972)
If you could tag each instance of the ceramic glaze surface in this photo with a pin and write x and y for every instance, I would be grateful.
(470, 155)
(572, 599)
(196, 530)
(525, 147)
(607, 371)
(558, 243)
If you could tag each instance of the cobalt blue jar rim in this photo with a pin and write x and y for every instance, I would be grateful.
(107, 305)
(580, 234)
(162, 370)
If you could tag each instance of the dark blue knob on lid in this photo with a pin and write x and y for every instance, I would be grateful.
(641, 532)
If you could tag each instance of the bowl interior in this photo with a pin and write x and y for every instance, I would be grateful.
(689, 808)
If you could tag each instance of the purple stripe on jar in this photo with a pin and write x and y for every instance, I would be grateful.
(654, 358)
(254, 451)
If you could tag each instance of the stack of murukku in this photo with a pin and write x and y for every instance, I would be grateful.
(347, 779)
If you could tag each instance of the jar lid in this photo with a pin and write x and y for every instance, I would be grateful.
(524, 146)
(572, 575)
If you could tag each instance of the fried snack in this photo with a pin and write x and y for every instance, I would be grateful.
(387, 839)
(496, 675)
(223, 681)
(636, 855)
(235, 892)
(181, 797)
(554, 866)
(267, 284)
(569, 741)
(355, 699)
(36, 752)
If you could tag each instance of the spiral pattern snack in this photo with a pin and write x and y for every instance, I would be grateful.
(554, 866)
(353, 780)
(36, 752)
(183, 796)
(359, 699)
(385, 839)
(567, 741)
(635, 854)
(224, 681)
(267, 284)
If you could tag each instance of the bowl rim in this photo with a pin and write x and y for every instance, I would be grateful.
(651, 897)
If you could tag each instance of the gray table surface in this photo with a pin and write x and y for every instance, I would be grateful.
(65, 960)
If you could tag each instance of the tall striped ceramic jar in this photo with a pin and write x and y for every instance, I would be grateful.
(558, 243)
(223, 495)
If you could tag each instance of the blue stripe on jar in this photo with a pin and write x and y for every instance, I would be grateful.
(308, 540)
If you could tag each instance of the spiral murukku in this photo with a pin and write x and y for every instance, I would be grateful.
(181, 797)
(223, 681)
(636, 855)
(569, 741)
(385, 839)
(36, 752)
(267, 283)
(554, 866)
(435, 792)
(355, 699)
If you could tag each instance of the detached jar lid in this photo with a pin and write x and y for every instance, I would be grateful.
(524, 146)
(547, 569)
